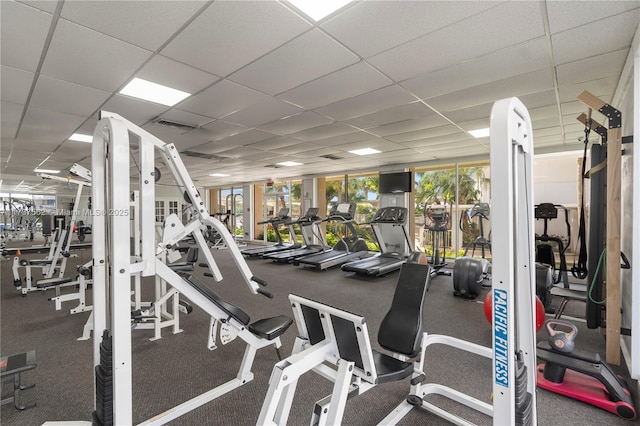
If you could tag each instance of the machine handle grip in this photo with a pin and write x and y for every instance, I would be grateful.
(208, 274)
(265, 293)
(259, 281)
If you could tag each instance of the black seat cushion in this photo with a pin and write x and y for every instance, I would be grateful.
(270, 328)
(232, 310)
(177, 267)
(390, 369)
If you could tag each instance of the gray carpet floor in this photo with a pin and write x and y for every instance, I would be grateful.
(178, 367)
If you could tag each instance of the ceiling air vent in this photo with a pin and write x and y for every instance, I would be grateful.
(174, 124)
(274, 166)
(331, 157)
(202, 155)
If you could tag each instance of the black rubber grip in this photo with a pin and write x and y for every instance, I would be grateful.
(421, 378)
(259, 281)
(265, 293)
(208, 274)
(203, 265)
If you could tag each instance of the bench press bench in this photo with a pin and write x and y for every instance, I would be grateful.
(11, 369)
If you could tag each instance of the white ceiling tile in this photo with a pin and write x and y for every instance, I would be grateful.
(58, 95)
(603, 88)
(451, 140)
(274, 143)
(592, 68)
(551, 122)
(295, 123)
(360, 27)
(494, 29)
(539, 99)
(236, 33)
(219, 129)
(45, 5)
(595, 38)
(470, 113)
(424, 133)
(509, 62)
(317, 153)
(86, 57)
(345, 138)
(519, 85)
(145, 24)
(297, 149)
(409, 125)
(134, 110)
(392, 115)
(184, 117)
(323, 131)
(10, 118)
(550, 111)
(384, 146)
(348, 82)
(573, 107)
(368, 103)
(262, 112)
(221, 99)
(240, 152)
(24, 31)
(564, 15)
(46, 129)
(72, 151)
(16, 84)
(173, 74)
(303, 59)
(245, 138)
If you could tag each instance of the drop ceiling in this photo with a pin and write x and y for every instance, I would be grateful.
(269, 85)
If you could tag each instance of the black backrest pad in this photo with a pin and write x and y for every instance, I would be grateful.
(232, 310)
(313, 324)
(347, 340)
(401, 329)
(192, 254)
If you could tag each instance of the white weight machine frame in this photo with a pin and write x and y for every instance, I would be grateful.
(58, 252)
(513, 327)
(113, 267)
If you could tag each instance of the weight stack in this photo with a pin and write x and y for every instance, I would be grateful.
(523, 399)
(103, 416)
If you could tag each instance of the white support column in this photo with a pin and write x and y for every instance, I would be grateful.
(513, 279)
(635, 271)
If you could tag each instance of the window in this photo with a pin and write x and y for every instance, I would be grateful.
(159, 211)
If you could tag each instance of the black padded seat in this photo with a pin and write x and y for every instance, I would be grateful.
(52, 282)
(232, 310)
(390, 369)
(38, 262)
(270, 328)
(181, 267)
(192, 258)
(546, 353)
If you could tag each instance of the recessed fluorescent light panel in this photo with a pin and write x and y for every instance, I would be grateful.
(153, 92)
(81, 138)
(365, 151)
(318, 9)
(218, 175)
(46, 171)
(479, 133)
(289, 163)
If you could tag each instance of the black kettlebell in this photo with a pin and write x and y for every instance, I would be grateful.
(562, 341)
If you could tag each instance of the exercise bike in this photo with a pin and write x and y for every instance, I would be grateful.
(470, 272)
(580, 374)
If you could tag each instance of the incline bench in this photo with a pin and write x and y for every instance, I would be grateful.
(12, 367)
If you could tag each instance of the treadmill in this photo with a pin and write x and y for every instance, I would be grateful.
(349, 248)
(390, 221)
(310, 226)
(282, 218)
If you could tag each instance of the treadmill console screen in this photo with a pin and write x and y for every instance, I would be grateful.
(391, 215)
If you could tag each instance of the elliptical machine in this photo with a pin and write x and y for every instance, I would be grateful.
(470, 272)
(437, 223)
(580, 374)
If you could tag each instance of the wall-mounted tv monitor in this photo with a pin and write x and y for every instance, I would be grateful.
(395, 182)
